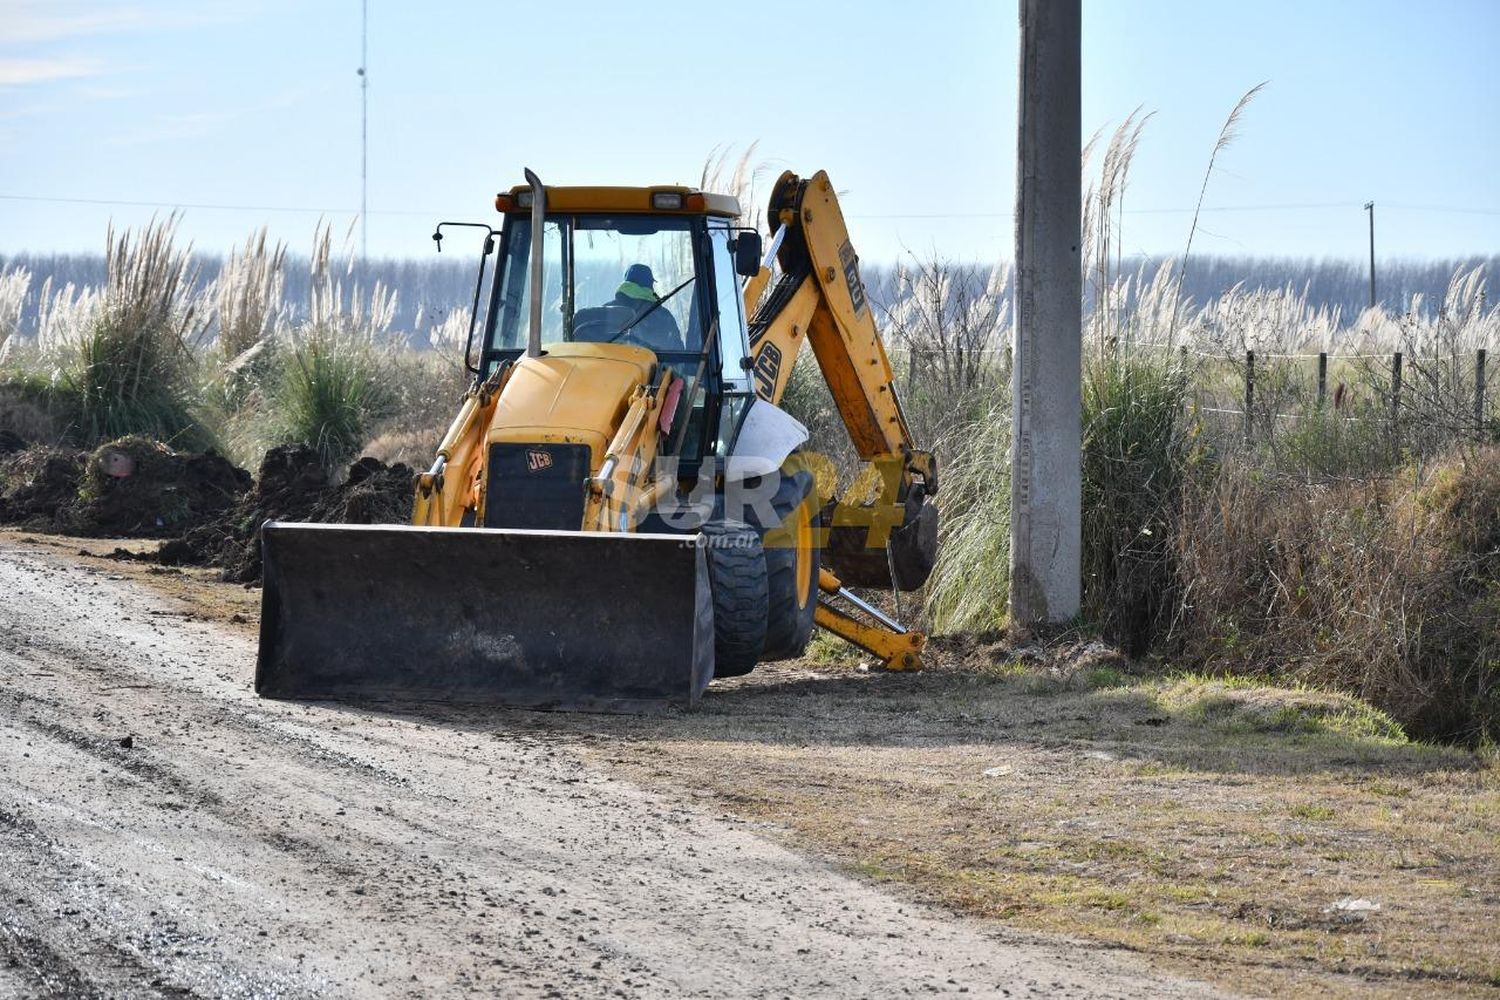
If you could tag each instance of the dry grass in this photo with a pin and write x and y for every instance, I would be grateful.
(1227, 136)
(248, 296)
(1386, 588)
(1210, 826)
(410, 448)
(123, 362)
(14, 285)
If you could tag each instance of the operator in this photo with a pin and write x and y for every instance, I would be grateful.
(654, 325)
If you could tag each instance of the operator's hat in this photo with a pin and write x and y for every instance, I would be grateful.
(640, 274)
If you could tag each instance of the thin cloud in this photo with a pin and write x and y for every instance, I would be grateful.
(94, 92)
(24, 22)
(197, 124)
(30, 21)
(167, 128)
(20, 72)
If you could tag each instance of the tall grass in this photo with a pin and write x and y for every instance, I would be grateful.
(233, 363)
(741, 176)
(948, 335)
(1386, 587)
(124, 363)
(1139, 449)
(330, 389)
(248, 296)
(332, 376)
(1227, 135)
(14, 285)
(971, 584)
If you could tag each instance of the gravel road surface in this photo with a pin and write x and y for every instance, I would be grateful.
(164, 833)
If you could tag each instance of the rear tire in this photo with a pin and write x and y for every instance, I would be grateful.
(792, 563)
(737, 580)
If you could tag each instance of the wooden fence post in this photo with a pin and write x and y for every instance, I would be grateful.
(1396, 391)
(1322, 378)
(1479, 359)
(1249, 396)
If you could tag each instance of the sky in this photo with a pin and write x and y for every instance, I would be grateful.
(248, 112)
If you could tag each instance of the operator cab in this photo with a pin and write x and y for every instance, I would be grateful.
(657, 268)
(608, 279)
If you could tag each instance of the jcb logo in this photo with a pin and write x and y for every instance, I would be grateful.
(850, 262)
(767, 370)
(537, 460)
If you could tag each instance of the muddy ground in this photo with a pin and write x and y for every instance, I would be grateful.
(165, 833)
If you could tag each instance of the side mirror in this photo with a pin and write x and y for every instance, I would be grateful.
(489, 250)
(747, 252)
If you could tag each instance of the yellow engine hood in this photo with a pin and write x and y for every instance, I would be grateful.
(574, 393)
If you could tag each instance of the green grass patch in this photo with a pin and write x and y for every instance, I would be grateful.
(330, 388)
(1241, 705)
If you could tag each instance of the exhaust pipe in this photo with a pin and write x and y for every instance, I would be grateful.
(538, 219)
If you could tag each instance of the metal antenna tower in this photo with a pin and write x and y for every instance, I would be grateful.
(364, 133)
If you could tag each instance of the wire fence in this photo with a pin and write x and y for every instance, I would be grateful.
(1450, 393)
(1254, 394)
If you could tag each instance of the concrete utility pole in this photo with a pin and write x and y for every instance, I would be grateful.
(1370, 207)
(1046, 417)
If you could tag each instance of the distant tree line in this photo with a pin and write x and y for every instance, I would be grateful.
(427, 290)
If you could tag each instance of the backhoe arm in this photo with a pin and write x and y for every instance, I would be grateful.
(883, 533)
(820, 297)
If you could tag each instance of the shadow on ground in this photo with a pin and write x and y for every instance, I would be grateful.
(1187, 723)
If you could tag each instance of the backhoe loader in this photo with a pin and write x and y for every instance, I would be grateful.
(620, 511)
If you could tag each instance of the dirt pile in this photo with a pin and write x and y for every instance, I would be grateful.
(134, 487)
(143, 489)
(373, 493)
(292, 486)
(38, 484)
(11, 442)
(209, 511)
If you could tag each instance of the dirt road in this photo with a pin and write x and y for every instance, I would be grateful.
(165, 833)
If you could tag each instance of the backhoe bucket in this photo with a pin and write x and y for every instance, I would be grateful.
(568, 620)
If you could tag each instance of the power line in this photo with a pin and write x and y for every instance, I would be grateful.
(208, 206)
(1455, 209)
(1284, 207)
(1288, 207)
(308, 210)
(1299, 206)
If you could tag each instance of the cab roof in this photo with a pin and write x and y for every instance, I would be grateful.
(656, 200)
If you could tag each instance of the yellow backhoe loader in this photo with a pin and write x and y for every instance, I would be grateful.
(620, 511)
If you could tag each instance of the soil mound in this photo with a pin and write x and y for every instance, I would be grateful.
(209, 511)
(373, 493)
(143, 489)
(292, 486)
(38, 484)
(11, 442)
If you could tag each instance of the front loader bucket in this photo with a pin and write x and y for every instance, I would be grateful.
(532, 619)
